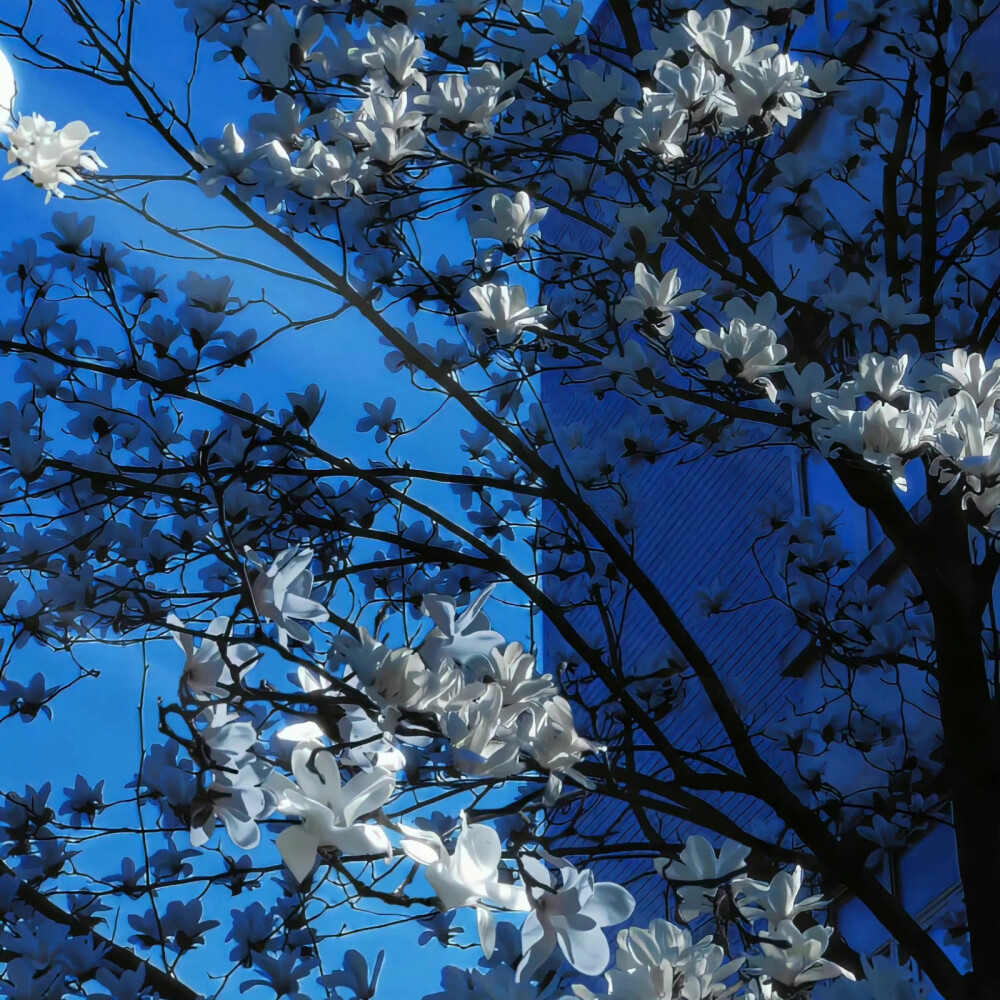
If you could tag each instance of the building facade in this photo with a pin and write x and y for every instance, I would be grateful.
(693, 521)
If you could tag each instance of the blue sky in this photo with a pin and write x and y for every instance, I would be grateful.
(95, 729)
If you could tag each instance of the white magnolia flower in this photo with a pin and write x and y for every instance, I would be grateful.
(389, 128)
(880, 376)
(213, 665)
(503, 313)
(883, 434)
(795, 957)
(241, 788)
(465, 637)
(653, 300)
(469, 104)
(516, 675)
(50, 156)
(895, 310)
(8, 90)
(748, 352)
(550, 737)
(662, 963)
(366, 744)
(660, 126)
(479, 747)
(698, 90)
(276, 45)
(328, 170)
(281, 593)
(600, 90)
(330, 811)
(395, 54)
(512, 218)
(698, 863)
(969, 372)
(570, 913)
(775, 901)
(825, 77)
(651, 225)
(228, 739)
(770, 89)
(239, 799)
(224, 159)
(804, 385)
(469, 875)
(227, 159)
(384, 111)
(967, 440)
(711, 35)
(404, 683)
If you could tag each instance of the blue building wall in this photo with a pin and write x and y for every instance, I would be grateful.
(695, 519)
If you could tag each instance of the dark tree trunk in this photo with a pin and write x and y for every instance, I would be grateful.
(936, 550)
(958, 591)
(972, 770)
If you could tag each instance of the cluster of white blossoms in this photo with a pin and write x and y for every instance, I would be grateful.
(710, 78)
(242, 788)
(465, 684)
(942, 407)
(655, 962)
(946, 413)
(333, 153)
(652, 963)
(566, 908)
(48, 155)
(464, 687)
(503, 314)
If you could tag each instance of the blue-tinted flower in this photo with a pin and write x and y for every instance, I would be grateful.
(83, 802)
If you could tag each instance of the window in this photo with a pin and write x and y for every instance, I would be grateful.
(857, 528)
(820, 487)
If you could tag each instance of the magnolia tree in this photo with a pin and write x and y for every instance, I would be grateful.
(747, 228)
